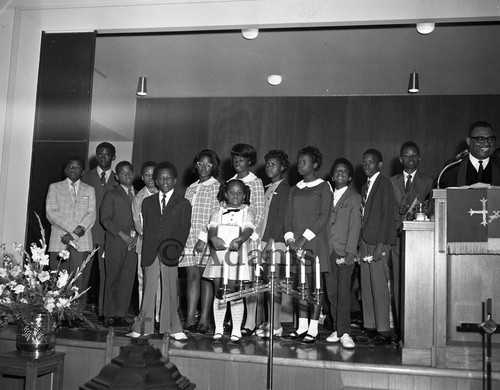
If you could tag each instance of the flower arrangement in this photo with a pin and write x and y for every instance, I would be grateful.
(27, 285)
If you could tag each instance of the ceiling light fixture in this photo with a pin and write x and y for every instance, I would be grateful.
(250, 33)
(142, 86)
(413, 83)
(274, 79)
(425, 28)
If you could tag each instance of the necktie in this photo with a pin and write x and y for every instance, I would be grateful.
(480, 171)
(408, 184)
(163, 203)
(364, 198)
(131, 194)
(73, 191)
(103, 178)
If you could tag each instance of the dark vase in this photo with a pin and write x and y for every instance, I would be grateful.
(36, 336)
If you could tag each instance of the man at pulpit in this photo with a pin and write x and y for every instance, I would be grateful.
(478, 166)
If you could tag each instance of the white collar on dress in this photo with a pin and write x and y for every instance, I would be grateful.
(248, 178)
(302, 184)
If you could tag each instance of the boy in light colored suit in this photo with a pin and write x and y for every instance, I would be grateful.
(70, 208)
(344, 227)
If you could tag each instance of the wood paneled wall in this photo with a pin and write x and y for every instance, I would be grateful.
(175, 129)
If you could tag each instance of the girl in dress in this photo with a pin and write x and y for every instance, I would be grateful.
(309, 207)
(202, 195)
(229, 230)
(244, 156)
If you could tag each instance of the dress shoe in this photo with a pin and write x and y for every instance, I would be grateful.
(295, 336)
(135, 335)
(201, 329)
(308, 339)
(217, 339)
(120, 322)
(235, 340)
(265, 333)
(333, 338)
(109, 321)
(347, 341)
(380, 340)
(245, 332)
(179, 336)
(189, 328)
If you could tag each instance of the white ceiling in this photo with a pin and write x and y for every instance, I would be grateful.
(454, 59)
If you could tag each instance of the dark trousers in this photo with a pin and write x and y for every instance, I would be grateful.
(121, 266)
(338, 290)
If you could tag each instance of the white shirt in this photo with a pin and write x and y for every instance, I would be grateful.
(475, 162)
(76, 185)
(167, 198)
(372, 182)
(337, 194)
(108, 173)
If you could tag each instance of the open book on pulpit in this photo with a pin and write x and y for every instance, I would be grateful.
(473, 219)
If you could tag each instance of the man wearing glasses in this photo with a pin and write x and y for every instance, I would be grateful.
(478, 167)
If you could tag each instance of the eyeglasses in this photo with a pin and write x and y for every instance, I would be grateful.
(200, 164)
(483, 140)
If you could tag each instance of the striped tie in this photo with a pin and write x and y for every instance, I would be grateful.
(73, 191)
(131, 194)
(364, 198)
(408, 184)
(163, 203)
(103, 178)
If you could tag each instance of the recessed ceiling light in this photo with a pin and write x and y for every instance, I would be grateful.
(425, 28)
(250, 33)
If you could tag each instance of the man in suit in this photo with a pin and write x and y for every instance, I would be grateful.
(102, 178)
(377, 236)
(344, 227)
(410, 186)
(70, 208)
(478, 166)
(120, 259)
(166, 222)
(149, 189)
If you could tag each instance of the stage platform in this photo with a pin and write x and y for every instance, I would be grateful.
(243, 367)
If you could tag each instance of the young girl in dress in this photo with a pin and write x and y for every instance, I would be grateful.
(309, 207)
(202, 195)
(230, 256)
(243, 157)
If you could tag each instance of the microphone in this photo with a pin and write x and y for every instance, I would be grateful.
(458, 158)
(462, 154)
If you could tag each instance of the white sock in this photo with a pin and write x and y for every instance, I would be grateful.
(303, 325)
(220, 308)
(313, 328)
(237, 310)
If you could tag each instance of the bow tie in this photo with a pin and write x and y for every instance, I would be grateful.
(230, 211)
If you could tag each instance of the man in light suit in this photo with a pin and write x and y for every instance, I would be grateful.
(70, 208)
(102, 178)
(410, 186)
(166, 222)
(344, 227)
(377, 236)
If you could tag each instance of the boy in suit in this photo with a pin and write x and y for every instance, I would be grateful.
(120, 259)
(70, 208)
(377, 236)
(344, 227)
(102, 178)
(166, 224)
(409, 186)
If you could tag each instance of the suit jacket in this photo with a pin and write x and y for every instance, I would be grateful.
(137, 215)
(116, 216)
(421, 187)
(455, 176)
(92, 178)
(65, 214)
(173, 226)
(378, 220)
(345, 224)
(274, 227)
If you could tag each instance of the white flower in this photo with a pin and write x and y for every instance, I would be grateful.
(17, 247)
(3, 273)
(15, 271)
(63, 279)
(19, 289)
(50, 304)
(340, 261)
(62, 303)
(64, 254)
(6, 301)
(38, 255)
(2, 287)
(43, 276)
(24, 300)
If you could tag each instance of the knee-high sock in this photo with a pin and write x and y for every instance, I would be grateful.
(220, 308)
(237, 309)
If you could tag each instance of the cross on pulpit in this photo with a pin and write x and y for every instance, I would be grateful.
(484, 211)
(486, 329)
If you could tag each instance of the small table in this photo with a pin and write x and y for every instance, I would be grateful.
(13, 363)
